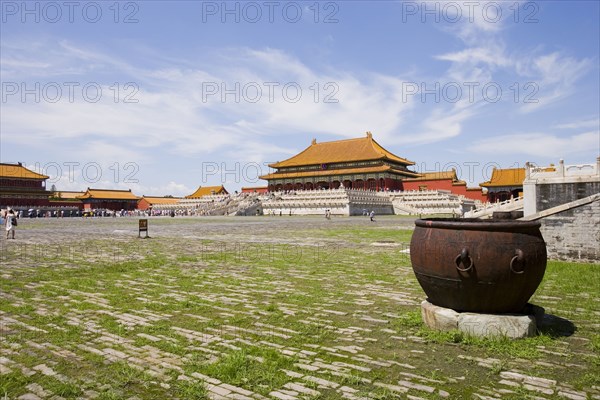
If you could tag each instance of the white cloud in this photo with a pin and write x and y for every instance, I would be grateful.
(176, 113)
(469, 20)
(543, 78)
(441, 125)
(492, 55)
(586, 123)
(555, 75)
(68, 175)
(171, 188)
(176, 118)
(538, 144)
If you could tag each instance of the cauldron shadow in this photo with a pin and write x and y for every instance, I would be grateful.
(556, 327)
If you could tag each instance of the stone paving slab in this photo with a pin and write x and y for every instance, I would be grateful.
(79, 315)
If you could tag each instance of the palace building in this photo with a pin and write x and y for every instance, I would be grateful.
(207, 191)
(360, 163)
(22, 187)
(66, 198)
(148, 202)
(444, 180)
(504, 184)
(109, 199)
(66, 195)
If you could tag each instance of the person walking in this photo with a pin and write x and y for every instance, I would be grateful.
(372, 216)
(10, 221)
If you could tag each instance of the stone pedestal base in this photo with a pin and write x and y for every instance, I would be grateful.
(514, 326)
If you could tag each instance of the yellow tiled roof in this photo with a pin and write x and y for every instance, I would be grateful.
(207, 190)
(326, 172)
(348, 150)
(506, 177)
(108, 194)
(439, 176)
(161, 200)
(18, 171)
(68, 195)
(432, 176)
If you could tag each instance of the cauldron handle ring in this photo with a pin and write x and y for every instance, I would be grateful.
(518, 257)
(462, 257)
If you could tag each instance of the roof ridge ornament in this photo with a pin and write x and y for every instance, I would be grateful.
(369, 135)
(314, 141)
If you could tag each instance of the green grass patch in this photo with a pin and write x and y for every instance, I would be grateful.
(13, 384)
(192, 390)
(242, 368)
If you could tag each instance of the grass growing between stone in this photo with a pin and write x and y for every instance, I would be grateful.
(275, 307)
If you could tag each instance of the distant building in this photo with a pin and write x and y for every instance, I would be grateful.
(360, 163)
(67, 195)
(255, 189)
(207, 190)
(504, 184)
(444, 180)
(147, 202)
(66, 199)
(22, 187)
(109, 199)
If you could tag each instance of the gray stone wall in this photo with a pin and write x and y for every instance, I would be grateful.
(574, 234)
(552, 195)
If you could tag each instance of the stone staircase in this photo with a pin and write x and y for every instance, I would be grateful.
(429, 202)
(307, 202)
(337, 201)
(315, 202)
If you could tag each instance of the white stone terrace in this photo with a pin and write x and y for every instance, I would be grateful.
(562, 173)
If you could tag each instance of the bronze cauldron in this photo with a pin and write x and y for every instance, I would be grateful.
(491, 266)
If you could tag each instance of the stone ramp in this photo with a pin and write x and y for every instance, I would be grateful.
(514, 204)
(561, 208)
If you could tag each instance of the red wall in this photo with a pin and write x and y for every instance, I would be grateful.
(445, 184)
(143, 205)
(23, 202)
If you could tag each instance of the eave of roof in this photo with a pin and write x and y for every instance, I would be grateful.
(366, 170)
(18, 171)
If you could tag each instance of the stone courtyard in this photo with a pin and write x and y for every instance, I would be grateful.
(264, 308)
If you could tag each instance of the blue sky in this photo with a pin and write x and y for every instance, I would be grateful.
(162, 97)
